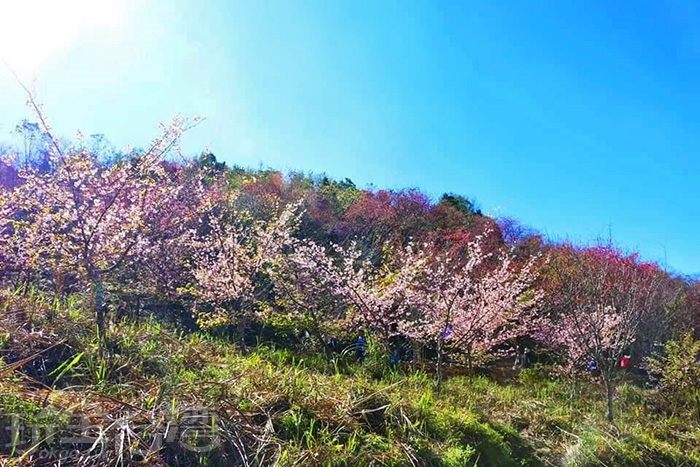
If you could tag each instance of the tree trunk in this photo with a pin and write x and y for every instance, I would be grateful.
(99, 305)
(438, 363)
(573, 388)
(417, 350)
(470, 365)
(99, 309)
(609, 389)
(242, 327)
(324, 345)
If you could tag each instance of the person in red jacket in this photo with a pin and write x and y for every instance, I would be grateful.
(625, 361)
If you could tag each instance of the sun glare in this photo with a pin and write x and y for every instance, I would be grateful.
(32, 31)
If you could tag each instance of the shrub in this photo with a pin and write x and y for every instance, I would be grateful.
(678, 369)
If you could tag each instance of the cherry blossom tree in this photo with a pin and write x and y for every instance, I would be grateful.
(228, 259)
(163, 269)
(378, 297)
(603, 300)
(308, 280)
(87, 219)
(469, 311)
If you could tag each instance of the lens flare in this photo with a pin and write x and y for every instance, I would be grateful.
(33, 31)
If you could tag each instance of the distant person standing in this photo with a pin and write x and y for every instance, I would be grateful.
(395, 358)
(526, 361)
(518, 358)
(593, 368)
(625, 362)
(523, 359)
(332, 343)
(361, 348)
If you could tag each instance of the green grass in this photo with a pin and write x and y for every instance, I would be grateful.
(277, 407)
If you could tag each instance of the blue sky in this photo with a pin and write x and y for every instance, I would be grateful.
(579, 120)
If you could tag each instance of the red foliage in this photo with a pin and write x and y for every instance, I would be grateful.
(387, 216)
(455, 242)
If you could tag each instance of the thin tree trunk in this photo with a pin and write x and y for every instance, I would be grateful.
(470, 366)
(58, 300)
(609, 389)
(417, 349)
(99, 305)
(438, 364)
(573, 388)
(242, 327)
(324, 345)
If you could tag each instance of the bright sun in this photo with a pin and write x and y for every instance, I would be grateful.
(31, 31)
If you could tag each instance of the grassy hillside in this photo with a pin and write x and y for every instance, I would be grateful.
(158, 397)
(163, 313)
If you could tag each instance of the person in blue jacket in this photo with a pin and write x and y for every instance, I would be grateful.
(395, 358)
(361, 348)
